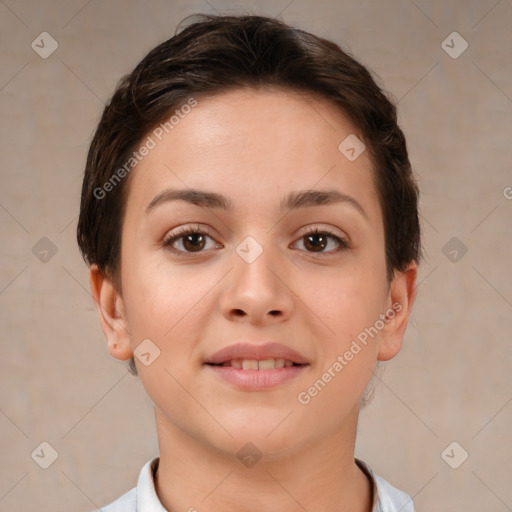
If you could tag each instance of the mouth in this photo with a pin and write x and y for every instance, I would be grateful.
(255, 364)
(257, 375)
(257, 356)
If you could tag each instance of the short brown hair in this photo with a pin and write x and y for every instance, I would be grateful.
(218, 53)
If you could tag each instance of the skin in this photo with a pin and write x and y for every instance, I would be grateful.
(255, 147)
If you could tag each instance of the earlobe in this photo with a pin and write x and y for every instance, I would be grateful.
(110, 306)
(402, 295)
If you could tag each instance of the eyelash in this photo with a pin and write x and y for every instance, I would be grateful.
(182, 232)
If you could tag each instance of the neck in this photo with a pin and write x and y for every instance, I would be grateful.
(195, 476)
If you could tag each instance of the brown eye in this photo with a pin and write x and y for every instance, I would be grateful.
(188, 241)
(193, 242)
(316, 242)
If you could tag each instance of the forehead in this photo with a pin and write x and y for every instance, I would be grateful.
(254, 146)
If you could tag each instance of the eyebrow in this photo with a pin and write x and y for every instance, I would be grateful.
(293, 201)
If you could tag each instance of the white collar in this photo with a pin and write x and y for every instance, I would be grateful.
(386, 498)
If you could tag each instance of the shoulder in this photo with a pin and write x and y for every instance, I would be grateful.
(392, 499)
(141, 497)
(387, 498)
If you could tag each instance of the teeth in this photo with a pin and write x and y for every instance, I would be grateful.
(249, 364)
(266, 364)
(253, 364)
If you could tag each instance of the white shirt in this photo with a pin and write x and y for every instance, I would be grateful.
(143, 497)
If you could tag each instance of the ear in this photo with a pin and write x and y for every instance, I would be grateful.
(402, 293)
(110, 306)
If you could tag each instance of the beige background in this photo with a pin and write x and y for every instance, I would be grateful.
(452, 380)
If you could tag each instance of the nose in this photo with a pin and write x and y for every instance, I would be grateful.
(257, 292)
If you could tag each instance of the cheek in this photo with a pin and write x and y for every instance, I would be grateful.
(164, 305)
(345, 300)
(349, 307)
(161, 296)
(170, 305)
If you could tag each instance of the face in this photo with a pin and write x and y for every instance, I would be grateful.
(255, 256)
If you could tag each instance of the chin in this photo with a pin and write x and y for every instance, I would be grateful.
(275, 434)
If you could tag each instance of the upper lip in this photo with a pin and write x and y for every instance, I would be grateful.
(259, 351)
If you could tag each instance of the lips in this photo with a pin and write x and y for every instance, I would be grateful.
(257, 366)
(260, 356)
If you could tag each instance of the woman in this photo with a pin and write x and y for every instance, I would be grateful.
(250, 220)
